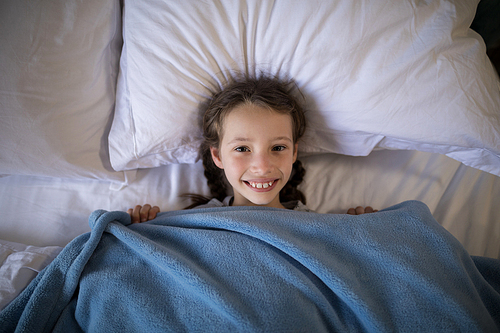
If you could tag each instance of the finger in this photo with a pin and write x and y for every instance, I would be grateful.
(145, 212)
(152, 212)
(360, 210)
(130, 211)
(351, 211)
(136, 217)
(368, 209)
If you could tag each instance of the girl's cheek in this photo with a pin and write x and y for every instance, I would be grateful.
(239, 159)
(235, 165)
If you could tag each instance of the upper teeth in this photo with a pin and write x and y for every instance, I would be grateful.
(261, 185)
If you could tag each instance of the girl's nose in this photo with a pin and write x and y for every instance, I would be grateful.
(261, 164)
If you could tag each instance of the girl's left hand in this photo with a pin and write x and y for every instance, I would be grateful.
(143, 213)
(360, 210)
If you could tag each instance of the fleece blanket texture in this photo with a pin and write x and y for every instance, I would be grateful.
(249, 269)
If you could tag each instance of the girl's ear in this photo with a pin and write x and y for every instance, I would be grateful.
(216, 157)
(295, 152)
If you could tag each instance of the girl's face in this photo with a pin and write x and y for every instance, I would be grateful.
(256, 153)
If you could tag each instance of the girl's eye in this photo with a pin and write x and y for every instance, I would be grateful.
(242, 149)
(279, 148)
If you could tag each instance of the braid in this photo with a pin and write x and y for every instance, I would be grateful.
(215, 181)
(290, 191)
(215, 176)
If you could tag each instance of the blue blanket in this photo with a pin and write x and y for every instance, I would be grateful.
(262, 269)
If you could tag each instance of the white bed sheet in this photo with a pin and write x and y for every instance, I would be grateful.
(43, 211)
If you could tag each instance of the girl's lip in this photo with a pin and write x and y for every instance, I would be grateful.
(261, 181)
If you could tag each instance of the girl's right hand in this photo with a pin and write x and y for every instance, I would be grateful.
(143, 213)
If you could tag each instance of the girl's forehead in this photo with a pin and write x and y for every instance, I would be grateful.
(254, 111)
(255, 120)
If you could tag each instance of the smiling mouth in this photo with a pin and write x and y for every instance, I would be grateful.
(261, 186)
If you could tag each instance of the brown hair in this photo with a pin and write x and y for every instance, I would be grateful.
(268, 92)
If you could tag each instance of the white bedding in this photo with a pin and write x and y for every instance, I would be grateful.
(59, 66)
(20, 264)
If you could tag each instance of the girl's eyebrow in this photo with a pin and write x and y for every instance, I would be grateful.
(238, 140)
(285, 138)
(241, 139)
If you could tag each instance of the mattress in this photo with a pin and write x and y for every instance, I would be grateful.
(45, 211)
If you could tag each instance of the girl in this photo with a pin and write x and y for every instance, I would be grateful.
(251, 131)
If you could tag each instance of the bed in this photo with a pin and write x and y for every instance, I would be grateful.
(100, 110)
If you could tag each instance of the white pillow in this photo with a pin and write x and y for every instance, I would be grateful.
(19, 264)
(375, 74)
(59, 63)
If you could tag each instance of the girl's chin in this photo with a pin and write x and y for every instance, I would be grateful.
(258, 199)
